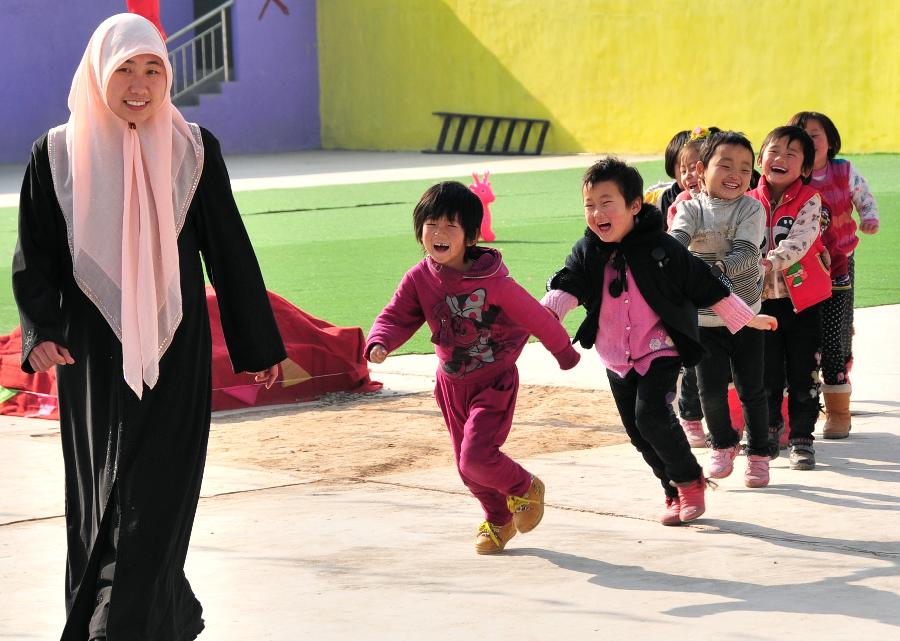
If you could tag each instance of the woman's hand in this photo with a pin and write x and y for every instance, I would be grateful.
(764, 322)
(267, 376)
(46, 354)
(377, 354)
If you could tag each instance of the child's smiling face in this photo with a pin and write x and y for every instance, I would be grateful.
(607, 213)
(820, 141)
(688, 176)
(729, 171)
(782, 163)
(445, 242)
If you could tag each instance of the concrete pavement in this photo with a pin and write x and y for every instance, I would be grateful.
(280, 557)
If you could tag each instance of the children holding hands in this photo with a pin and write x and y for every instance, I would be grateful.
(655, 302)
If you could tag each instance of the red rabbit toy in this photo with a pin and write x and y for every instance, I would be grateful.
(482, 189)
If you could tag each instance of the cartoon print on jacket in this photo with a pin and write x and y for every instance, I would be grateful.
(780, 229)
(466, 322)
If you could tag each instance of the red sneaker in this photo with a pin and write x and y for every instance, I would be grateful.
(671, 515)
(691, 498)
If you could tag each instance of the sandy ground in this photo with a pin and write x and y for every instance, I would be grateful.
(351, 436)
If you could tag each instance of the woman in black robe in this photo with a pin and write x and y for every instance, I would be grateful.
(134, 446)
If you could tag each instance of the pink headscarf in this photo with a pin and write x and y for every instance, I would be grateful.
(124, 193)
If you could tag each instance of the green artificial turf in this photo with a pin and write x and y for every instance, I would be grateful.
(339, 252)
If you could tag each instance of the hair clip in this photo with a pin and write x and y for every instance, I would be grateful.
(698, 133)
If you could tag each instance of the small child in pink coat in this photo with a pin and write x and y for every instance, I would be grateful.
(480, 319)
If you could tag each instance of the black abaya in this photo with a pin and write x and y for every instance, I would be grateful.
(145, 456)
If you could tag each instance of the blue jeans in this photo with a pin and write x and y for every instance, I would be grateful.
(645, 406)
(740, 355)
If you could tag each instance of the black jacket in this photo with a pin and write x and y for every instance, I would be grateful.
(668, 197)
(672, 280)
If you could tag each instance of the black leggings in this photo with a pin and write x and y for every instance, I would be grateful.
(645, 406)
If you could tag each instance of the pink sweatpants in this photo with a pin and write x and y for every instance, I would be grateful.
(478, 417)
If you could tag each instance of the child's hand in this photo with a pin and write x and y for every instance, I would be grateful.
(764, 322)
(767, 264)
(826, 258)
(868, 226)
(377, 354)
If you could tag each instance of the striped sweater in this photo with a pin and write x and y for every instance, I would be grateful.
(727, 233)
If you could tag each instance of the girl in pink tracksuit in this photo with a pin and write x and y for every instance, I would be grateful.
(480, 319)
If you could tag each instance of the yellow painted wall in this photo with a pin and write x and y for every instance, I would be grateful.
(610, 75)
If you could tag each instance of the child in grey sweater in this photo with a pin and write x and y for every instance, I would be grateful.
(725, 228)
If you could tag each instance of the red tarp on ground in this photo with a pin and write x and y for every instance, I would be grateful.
(322, 358)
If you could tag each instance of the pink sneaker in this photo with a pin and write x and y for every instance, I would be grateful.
(757, 474)
(691, 499)
(693, 430)
(672, 513)
(721, 462)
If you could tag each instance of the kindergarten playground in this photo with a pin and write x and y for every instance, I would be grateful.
(344, 517)
(334, 510)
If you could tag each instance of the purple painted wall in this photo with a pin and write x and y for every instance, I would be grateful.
(274, 105)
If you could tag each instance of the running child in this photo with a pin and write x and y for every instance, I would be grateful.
(842, 189)
(796, 281)
(641, 289)
(724, 226)
(480, 320)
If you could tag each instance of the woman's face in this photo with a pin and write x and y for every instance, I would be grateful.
(137, 88)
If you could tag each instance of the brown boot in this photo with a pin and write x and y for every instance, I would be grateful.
(491, 538)
(837, 410)
(528, 510)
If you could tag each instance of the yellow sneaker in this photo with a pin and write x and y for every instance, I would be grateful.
(528, 510)
(491, 538)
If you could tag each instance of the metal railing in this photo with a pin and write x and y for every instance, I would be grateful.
(204, 56)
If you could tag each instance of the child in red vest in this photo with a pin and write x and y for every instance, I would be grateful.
(842, 190)
(796, 281)
(480, 320)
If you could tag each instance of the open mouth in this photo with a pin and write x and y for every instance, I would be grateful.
(604, 227)
(731, 185)
(136, 105)
(778, 170)
(440, 248)
(692, 186)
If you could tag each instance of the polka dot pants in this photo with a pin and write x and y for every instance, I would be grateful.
(837, 334)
